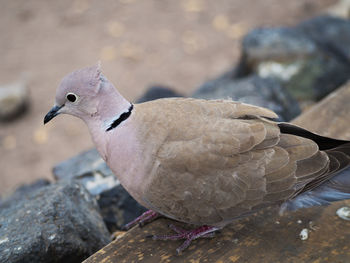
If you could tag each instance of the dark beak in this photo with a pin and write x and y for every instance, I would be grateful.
(52, 113)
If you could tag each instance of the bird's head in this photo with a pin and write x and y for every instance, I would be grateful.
(77, 93)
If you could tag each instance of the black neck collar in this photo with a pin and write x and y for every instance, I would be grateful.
(121, 118)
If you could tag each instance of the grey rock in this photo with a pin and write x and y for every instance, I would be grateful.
(158, 92)
(307, 60)
(89, 168)
(331, 34)
(253, 90)
(276, 44)
(55, 223)
(340, 9)
(118, 208)
(14, 100)
(29, 188)
(25, 190)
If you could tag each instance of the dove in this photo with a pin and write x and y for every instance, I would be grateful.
(203, 162)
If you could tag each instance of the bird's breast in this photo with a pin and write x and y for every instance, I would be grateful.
(130, 161)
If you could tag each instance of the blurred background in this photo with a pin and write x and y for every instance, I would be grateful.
(180, 44)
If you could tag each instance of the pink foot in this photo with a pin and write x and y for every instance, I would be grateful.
(189, 235)
(143, 219)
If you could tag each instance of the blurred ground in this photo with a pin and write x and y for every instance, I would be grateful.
(177, 43)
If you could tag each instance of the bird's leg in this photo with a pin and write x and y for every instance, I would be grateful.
(189, 235)
(143, 219)
(180, 230)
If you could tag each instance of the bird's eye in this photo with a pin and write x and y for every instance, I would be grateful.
(71, 97)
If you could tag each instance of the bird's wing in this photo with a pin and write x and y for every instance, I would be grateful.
(338, 152)
(221, 159)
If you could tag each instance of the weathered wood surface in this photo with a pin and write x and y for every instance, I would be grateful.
(264, 237)
(331, 116)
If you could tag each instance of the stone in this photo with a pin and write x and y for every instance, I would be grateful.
(89, 168)
(265, 92)
(14, 101)
(53, 223)
(340, 9)
(331, 34)
(282, 43)
(118, 208)
(25, 190)
(28, 188)
(158, 92)
(344, 213)
(309, 60)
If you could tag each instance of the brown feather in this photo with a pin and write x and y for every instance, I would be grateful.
(219, 160)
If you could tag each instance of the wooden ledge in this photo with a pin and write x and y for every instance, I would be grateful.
(264, 237)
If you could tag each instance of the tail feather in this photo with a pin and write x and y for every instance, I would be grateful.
(341, 157)
(335, 189)
(324, 143)
(334, 184)
(338, 162)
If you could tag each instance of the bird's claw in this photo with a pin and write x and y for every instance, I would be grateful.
(143, 219)
(188, 235)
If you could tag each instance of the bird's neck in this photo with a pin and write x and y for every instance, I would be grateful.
(111, 106)
(112, 111)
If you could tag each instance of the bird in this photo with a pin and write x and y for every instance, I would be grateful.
(203, 162)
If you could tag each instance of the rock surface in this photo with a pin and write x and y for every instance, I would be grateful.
(331, 34)
(254, 90)
(310, 60)
(158, 92)
(340, 9)
(26, 190)
(88, 168)
(118, 208)
(14, 100)
(55, 223)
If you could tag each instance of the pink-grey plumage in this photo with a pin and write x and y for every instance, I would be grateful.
(203, 162)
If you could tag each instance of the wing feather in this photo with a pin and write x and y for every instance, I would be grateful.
(225, 160)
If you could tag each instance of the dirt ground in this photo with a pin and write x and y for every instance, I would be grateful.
(140, 43)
